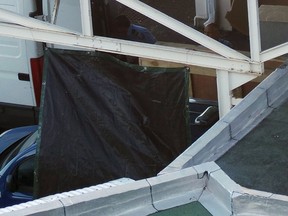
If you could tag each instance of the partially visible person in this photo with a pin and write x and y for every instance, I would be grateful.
(212, 30)
(122, 28)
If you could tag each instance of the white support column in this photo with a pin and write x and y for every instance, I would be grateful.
(225, 79)
(254, 31)
(86, 17)
(223, 92)
(226, 82)
(55, 11)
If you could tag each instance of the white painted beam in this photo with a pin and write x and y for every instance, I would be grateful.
(13, 18)
(170, 54)
(236, 79)
(183, 29)
(274, 52)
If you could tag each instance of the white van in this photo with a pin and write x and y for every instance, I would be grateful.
(21, 61)
(20, 70)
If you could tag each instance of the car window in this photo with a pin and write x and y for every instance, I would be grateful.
(23, 177)
(7, 151)
(19, 148)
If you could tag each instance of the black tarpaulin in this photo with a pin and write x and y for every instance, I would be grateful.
(103, 119)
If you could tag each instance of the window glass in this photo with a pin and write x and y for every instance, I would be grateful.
(23, 177)
(22, 146)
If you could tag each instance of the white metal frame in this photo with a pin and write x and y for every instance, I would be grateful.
(232, 68)
(86, 17)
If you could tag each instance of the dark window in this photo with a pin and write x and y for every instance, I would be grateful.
(12, 151)
(23, 177)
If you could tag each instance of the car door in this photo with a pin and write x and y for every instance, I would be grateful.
(18, 181)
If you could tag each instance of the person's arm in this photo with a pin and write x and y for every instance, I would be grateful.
(141, 34)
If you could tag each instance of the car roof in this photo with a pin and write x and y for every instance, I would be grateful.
(9, 137)
(29, 151)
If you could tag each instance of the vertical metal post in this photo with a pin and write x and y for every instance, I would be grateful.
(223, 91)
(55, 11)
(223, 81)
(254, 30)
(86, 17)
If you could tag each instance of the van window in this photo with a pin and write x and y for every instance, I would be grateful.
(23, 177)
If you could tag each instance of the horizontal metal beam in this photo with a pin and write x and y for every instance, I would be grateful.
(274, 52)
(13, 18)
(111, 45)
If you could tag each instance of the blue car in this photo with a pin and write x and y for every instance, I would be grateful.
(18, 150)
(17, 157)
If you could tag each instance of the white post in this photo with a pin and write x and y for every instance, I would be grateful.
(55, 11)
(86, 17)
(254, 30)
(223, 91)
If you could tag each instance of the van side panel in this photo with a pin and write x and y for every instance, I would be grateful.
(17, 96)
(16, 85)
